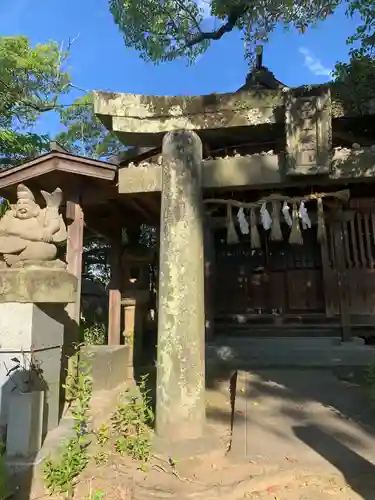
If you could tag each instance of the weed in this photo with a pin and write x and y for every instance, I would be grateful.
(60, 474)
(131, 423)
(102, 435)
(96, 495)
(101, 458)
(93, 333)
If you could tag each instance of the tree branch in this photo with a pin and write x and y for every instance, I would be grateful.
(233, 16)
(40, 108)
(190, 14)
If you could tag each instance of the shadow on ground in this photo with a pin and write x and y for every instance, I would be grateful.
(358, 472)
(340, 395)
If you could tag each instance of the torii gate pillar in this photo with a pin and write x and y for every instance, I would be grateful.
(180, 392)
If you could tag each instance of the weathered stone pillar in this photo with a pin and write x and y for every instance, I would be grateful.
(180, 393)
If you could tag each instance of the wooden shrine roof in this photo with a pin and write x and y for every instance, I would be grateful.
(93, 182)
(56, 161)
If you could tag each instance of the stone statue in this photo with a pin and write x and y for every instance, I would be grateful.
(29, 234)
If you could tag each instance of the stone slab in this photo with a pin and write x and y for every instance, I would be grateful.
(308, 417)
(25, 427)
(113, 361)
(37, 286)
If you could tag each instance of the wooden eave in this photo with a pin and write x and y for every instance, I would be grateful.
(58, 161)
(93, 181)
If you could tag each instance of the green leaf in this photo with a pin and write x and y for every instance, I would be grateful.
(32, 79)
(163, 30)
(84, 134)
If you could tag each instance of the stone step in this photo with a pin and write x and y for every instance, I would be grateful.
(249, 331)
(288, 351)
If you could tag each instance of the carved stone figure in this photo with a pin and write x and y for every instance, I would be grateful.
(29, 234)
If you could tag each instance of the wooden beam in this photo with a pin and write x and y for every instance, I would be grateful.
(351, 138)
(137, 206)
(114, 301)
(74, 251)
(153, 202)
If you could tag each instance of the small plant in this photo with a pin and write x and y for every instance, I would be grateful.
(4, 206)
(93, 333)
(26, 375)
(131, 423)
(102, 435)
(60, 475)
(101, 458)
(96, 495)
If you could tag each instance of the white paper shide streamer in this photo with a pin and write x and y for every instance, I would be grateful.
(286, 213)
(304, 216)
(265, 217)
(244, 225)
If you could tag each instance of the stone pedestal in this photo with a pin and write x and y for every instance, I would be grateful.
(32, 323)
(180, 392)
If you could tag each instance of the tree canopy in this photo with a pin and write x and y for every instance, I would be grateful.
(31, 81)
(84, 134)
(163, 30)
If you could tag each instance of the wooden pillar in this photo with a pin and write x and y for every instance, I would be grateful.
(114, 299)
(330, 288)
(180, 388)
(74, 251)
(129, 332)
(342, 284)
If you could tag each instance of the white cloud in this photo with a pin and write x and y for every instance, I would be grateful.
(314, 64)
(205, 6)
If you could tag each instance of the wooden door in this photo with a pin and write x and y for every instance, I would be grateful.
(278, 278)
(298, 269)
(358, 235)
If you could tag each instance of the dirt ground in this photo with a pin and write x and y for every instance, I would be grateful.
(216, 474)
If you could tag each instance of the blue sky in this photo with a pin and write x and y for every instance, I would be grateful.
(100, 61)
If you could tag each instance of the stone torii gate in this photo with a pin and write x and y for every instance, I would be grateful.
(180, 388)
(171, 122)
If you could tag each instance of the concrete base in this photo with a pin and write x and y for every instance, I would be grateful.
(110, 365)
(25, 424)
(31, 350)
